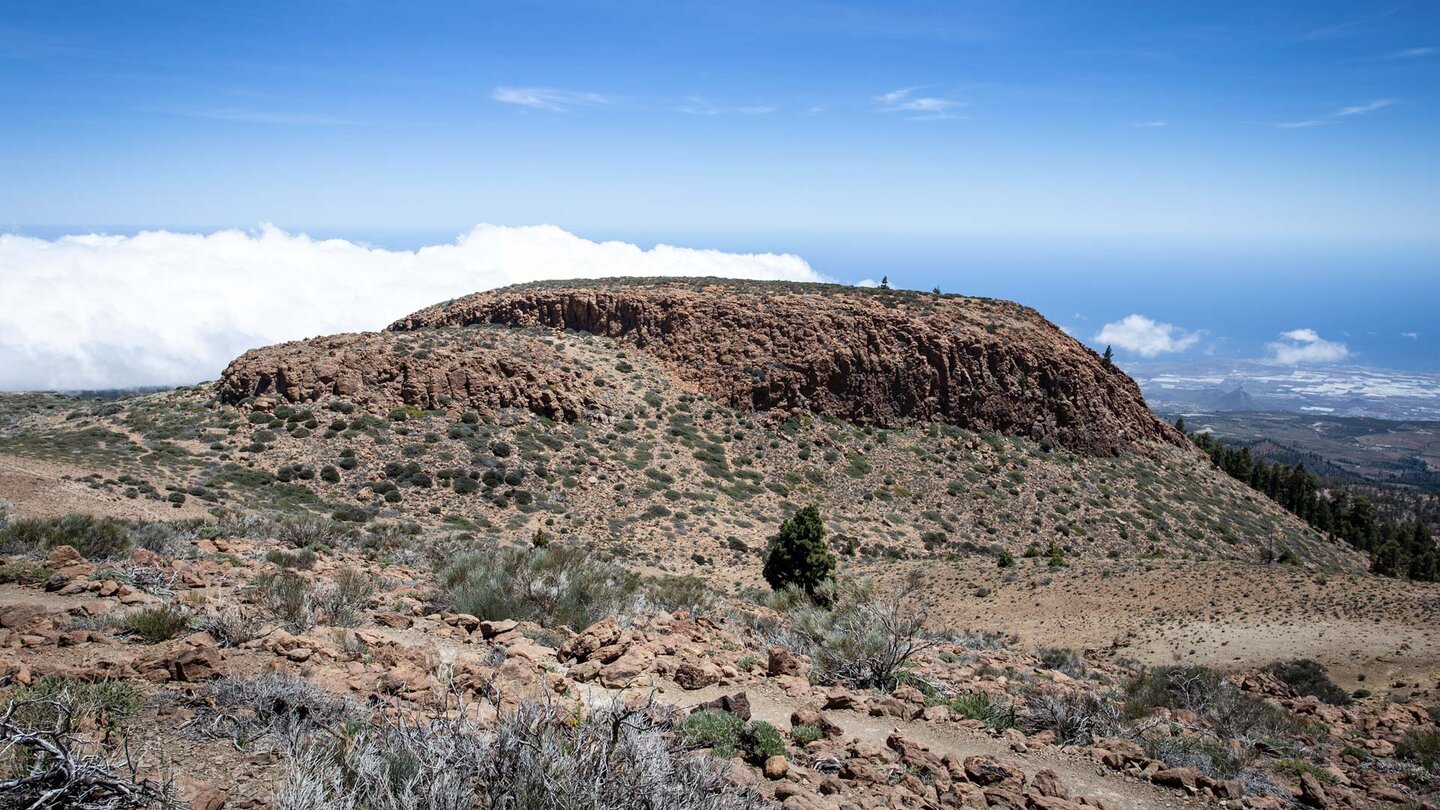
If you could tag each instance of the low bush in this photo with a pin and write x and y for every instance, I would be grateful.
(341, 600)
(1309, 678)
(718, 731)
(1064, 660)
(47, 765)
(1077, 718)
(230, 627)
(803, 735)
(269, 705)
(672, 593)
(156, 624)
(25, 572)
(310, 531)
(1422, 747)
(304, 559)
(290, 597)
(1229, 712)
(104, 704)
(538, 756)
(1203, 752)
(759, 741)
(554, 585)
(981, 706)
(95, 538)
(865, 638)
(727, 735)
(165, 539)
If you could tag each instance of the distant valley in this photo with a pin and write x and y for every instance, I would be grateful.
(1250, 385)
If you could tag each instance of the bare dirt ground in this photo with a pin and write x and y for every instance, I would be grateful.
(39, 488)
(1372, 632)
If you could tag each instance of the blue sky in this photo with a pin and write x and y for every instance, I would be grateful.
(1092, 159)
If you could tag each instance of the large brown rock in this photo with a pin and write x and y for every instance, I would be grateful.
(869, 356)
(598, 635)
(737, 704)
(987, 771)
(383, 371)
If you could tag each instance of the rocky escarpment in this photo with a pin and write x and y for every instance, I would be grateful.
(377, 372)
(870, 356)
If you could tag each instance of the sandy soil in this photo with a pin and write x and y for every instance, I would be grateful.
(38, 489)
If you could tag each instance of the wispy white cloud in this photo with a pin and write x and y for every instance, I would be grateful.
(1413, 53)
(1306, 346)
(1345, 27)
(695, 105)
(1338, 115)
(1146, 337)
(1153, 124)
(546, 98)
(164, 308)
(1411, 335)
(918, 108)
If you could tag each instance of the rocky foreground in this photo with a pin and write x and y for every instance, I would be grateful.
(229, 684)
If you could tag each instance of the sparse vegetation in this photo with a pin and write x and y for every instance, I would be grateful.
(866, 637)
(553, 585)
(156, 624)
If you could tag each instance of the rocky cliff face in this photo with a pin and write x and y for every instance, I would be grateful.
(463, 369)
(869, 356)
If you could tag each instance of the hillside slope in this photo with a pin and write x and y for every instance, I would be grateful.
(410, 427)
(875, 357)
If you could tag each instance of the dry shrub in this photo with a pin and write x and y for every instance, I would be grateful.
(864, 638)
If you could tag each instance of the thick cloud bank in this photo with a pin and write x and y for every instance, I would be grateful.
(162, 308)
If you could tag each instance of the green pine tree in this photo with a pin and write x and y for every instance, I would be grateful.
(798, 555)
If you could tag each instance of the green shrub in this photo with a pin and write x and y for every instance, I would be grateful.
(988, 710)
(290, 597)
(108, 703)
(340, 601)
(759, 741)
(672, 593)
(1309, 678)
(553, 585)
(95, 538)
(803, 735)
(1229, 711)
(309, 531)
(25, 572)
(1063, 660)
(303, 559)
(798, 555)
(718, 731)
(1422, 747)
(156, 624)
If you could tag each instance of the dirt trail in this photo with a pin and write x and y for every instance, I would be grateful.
(1083, 776)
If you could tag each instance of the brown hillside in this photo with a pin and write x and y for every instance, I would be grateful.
(877, 357)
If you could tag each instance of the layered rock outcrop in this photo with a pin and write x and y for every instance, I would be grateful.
(877, 357)
(377, 371)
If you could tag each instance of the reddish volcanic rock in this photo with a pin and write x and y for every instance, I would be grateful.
(378, 372)
(869, 356)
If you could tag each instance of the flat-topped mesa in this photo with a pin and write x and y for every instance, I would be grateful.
(380, 371)
(878, 357)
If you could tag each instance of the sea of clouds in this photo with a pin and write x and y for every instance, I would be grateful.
(164, 308)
